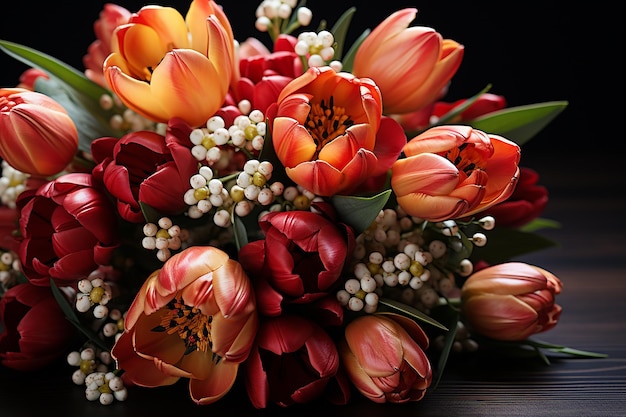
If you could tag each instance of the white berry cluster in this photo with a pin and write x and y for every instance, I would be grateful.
(409, 260)
(9, 270)
(93, 371)
(271, 15)
(317, 48)
(12, 183)
(247, 132)
(164, 237)
(95, 292)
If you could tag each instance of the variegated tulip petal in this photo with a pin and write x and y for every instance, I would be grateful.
(319, 177)
(218, 384)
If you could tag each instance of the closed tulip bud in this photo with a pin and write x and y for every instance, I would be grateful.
(511, 301)
(412, 66)
(383, 355)
(37, 136)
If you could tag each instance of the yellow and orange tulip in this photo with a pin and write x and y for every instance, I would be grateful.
(37, 136)
(325, 132)
(195, 318)
(511, 301)
(383, 355)
(411, 65)
(453, 171)
(161, 69)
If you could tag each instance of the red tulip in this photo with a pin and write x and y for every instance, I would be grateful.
(293, 361)
(421, 119)
(326, 132)
(37, 136)
(194, 318)
(411, 65)
(511, 301)
(299, 261)
(525, 204)
(135, 168)
(384, 357)
(35, 332)
(68, 228)
(454, 171)
(111, 16)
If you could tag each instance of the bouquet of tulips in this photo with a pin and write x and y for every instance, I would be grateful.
(305, 216)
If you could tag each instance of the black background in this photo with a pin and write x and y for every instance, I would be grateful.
(530, 51)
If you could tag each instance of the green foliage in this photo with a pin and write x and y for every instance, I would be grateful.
(522, 123)
(504, 244)
(359, 212)
(340, 30)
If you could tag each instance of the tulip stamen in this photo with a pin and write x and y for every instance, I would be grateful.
(465, 158)
(326, 122)
(189, 323)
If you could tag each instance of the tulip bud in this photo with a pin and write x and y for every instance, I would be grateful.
(37, 136)
(511, 301)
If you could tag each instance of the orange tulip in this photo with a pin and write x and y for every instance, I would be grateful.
(411, 65)
(37, 136)
(454, 171)
(325, 132)
(511, 301)
(383, 355)
(161, 70)
(194, 318)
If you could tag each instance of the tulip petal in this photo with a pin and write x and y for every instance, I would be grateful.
(217, 385)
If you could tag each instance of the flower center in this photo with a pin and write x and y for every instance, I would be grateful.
(465, 158)
(189, 323)
(326, 122)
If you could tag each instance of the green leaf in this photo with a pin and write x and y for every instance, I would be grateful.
(504, 244)
(445, 351)
(58, 69)
(540, 223)
(348, 60)
(340, 30)
(391, 305)
(359, 212)
(565, 350)
(522, 123)
(239, 232)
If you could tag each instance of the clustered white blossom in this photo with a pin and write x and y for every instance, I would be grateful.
(164, 237)
(9, 269)
(95, 292)
(273, 14)
(407, 259)
(12, 183)
(93, 372)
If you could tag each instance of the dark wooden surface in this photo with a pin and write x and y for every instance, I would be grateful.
(539, 55)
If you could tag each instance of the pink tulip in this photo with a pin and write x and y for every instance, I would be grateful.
(195, 318)
(111, 16)
(68, 227)
(37, 136)
(35, 332)
(511, 301)
(384, 357)
(411, 65)
(453, 171)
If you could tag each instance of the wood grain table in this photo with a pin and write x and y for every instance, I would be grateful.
(591, 262)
